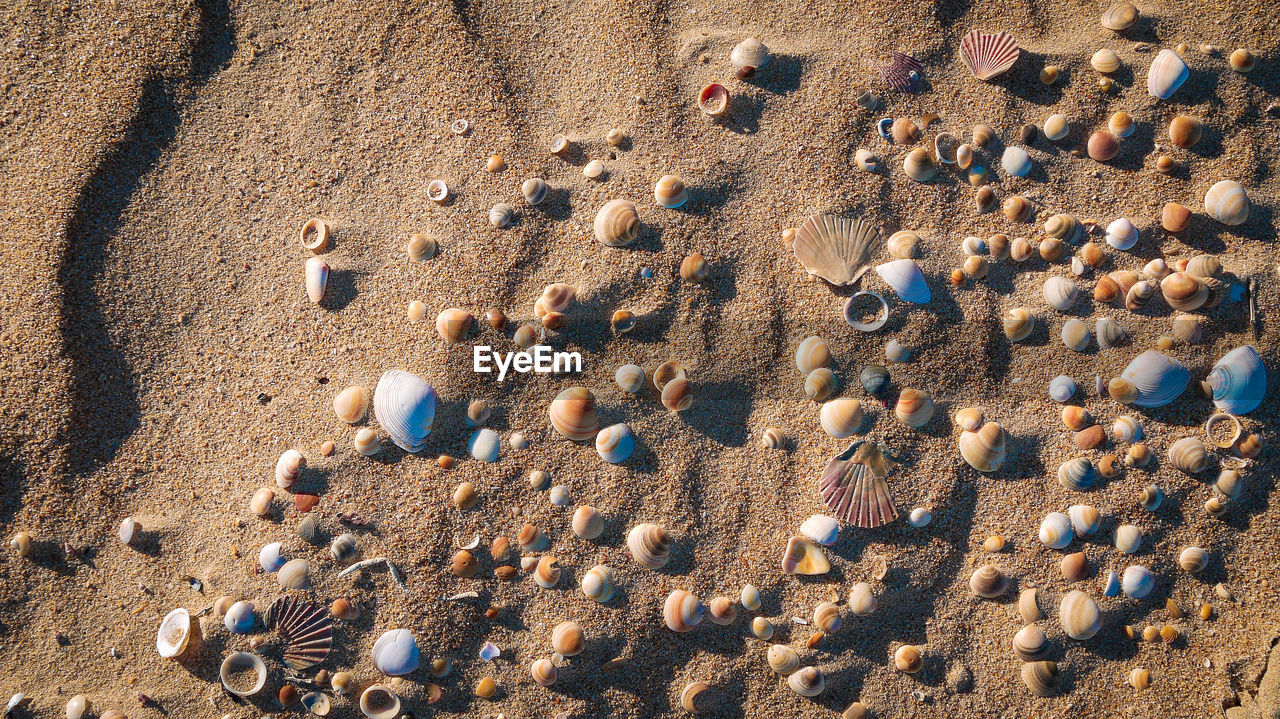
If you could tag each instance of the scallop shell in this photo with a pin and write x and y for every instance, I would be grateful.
(615, 443)
(1056, 530)
(650, 546)
(749, 53)
(807, 682)
(783, 659)
(837, 249)
(1127, 429)
(1079, 615)
(853, 486)
(1128, 538)
(597, 583)
(841, 418)
(804, 557)
(988, 55)
(1189, 455)
(1061, 293)
(1030, 643)
(682, 611)
(1167, 73)
(906, 279)
(1155, 378)
(316, 278)
(307, 629)
(914, 408)
(236, 663)
(1238, 382)
(405, 405)
(1122, 234)
(573, 414)
(289, 468)
(1016, 161)
(1056, 127)
(1018, 324)
(919, 165)
(984, 449)
(988, 582)
(1137, 582)
(1193, 560)
(1075, 335)
(617, 223)
(1119, 17)
(1041, 677)
(902, 73)
(630, 378)
(1109, 332)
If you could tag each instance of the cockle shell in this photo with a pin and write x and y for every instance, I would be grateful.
(1167, 73)
(502, 215)
(1056, 530)
(617, 224)
(1075, 335)
(615, 443)
(1119, 17)
(175, 633)
(1152, 379)
(804, 557)
(567, 639)
(1189, 455)
(906, 279)
(289, 468)
(1128, 538)
(1061, 293)
(1127, 429)
(1122, 234)
(650, 546)
(807, 682)
(629, 377)
(1137, 582)
(988, 55)
(914, 407)
(837, 249)
(1227, 203)
(597, 583)
(531, 538)
(988, 581)
(841, 418)
(1079, 615)
(1156, 269)
(749, 53)
(396, 653)
(1139, 294)
(1150, 498)
(783, 659)
(1018, 324)
(573, 414)
(317, 278)
(1029, 605)
(984, 449)
(862, 602)
(1109, 332)
(1238, 382)
(1077, 474)
(919, 165)
(405, 405)
(1016, 161)
(1030, 643)
(812, 354)
(895, 351)
(1041, 677)
(1184, 292)
(874, 379)
(682, 611)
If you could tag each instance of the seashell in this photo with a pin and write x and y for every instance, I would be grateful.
(380, 702)
(682, 611)
(945, 146)
(904, 131)
(649, 544)
(914, 407)
(238, 618)
(463, 565)
(826, 617)
(1121, 124)
(1122, 234)
(874, 379)
(852, 317)
(1105, 61)
(1077, 474)
(477, 412)
(861, 600)
(1084, 519)
(307, 629)
(919, 164)
(343, 548)
(524, 337)
(20, 544)
(405, 406)
(573, 414)
(597, 583)
(1183, 291)
(1090, 437)
(964, 156)
(821, 529)
(366, 442)
(1188, 455)
(837, 249)
(1127, 429)
(1102, 146)
(1227, 203)
(1185, 132)
(902, 244)
(670, 192)
(894, 351)
(316, 278)
(783, 659)
(617, 224)
(969, 419)
(396, 653)
(1128, 538)
(242, 674)
(1016, 208)
(761, 628)
(988, 582)
(1193, 560)
(1139, 294)
(295, 574)
(1119, 17)
(587, 523)
(820, 384)
(1216, 506)
(677, 395)
(919, 518)
(1056, 530)
(721, 611)
(906, 279)
(547, 573)
(1061, 293)
(1029, 605)
(175, 633)
(999, 246)
(615, 443)
(1041, 677)
(811, 354)
(773, 438)
(289, 468)
(1056, 127)
(804, 557)
(314, 235)
(668, 371)
(690, 696)
(1137, 582)
(1174, 217)
(260, 502)
(555, 298)
(630, 378)
(1151, 380)
(713, 100)
(437, 191)
(1079, 615)
(271, 557)
(903, 73)
(984, 449)
(983, 134)
(1138, 455)
(1062, 388)
(749, 53)
(1075, 335)
(1030, 643)
(1204, 267)
(593, 170)
(853, 486)
(567, 639)
(1109, 332)
(866, 160)
(973, 246)
(534, 190)
(988, 55)
(1075, 417)
(1016, 161)
(1150, 498)
(484, 445)
(1167, 73)
(502, 215)
(129, 530)
(1238, 382)
(1062, 227)
(1018, 324)
(1241, 60)
(77, 706)
(908, 659)
(351, 405)
(807, 682)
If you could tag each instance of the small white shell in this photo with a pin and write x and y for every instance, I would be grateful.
(171, 639)
(972, 246)
(1056, 530)
(593, 170)
(1227, 202)
(236, 662)
(1016, 161)
(484, 445)
(749, 53)
(894, 351)
(907, 281)
(1061, 293)
(750, 597)
(1127, 429)
(502, 215)
(129, 530)
(1128, 538)
(1122, 234)
(271, 558)
(1167, 73)
(1062, 388)
(919, 517)
(317, 278)
(1085, 519)
(1075, 335)
(1137, 582)
(822, 529)
(615, 443)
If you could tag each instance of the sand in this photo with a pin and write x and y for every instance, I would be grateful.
(157, 160)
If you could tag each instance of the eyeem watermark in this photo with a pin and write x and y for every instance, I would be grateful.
(541, 360)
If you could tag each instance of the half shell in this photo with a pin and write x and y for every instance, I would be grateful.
(854, 488)
(1167, 73)
(984, 450)
(1227, 203)
(837, 249)
(1238, 382)
(405, 405)
(1156, 379)
(988, 55)
(306, 627)
(907, 281)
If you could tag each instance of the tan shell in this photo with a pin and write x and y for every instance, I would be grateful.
(841, 418)
(668, 371)
(650, 546)
(1075, 417)
(812, 354)
(693, 268)
(682, 611)
(904, 131)
(1105, 61)
(690, 696)
(1030, 643)
(547, 573)
(587, 522)
(1079, 615)
(914, 407)
(567, 639)
(837, 249)
(1193, 560)
(1041, 677)
(807, 682)
(984, 449)
(453, 324)
(1119, 17)
(1029, 605)
(573, 414)
(1188, 455)
(1184, 291)
(783, 659)
(820, 384)
(543, 672)
(862, 602)
(804, 557)
(1018, 324)
(351, 404)
(969, 419)
(919, 165)
(617, 223)
(677, 395)
(988, 581)
(721, 611)
(902, 245)
(826, 617)
(908, 659)
(773, 438)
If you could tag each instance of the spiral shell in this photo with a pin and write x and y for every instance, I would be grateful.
(862, 602)
(650, 545)
(1075, 335)
(1128, 538)
(617, 224)
(573, 414)
(1030, 643)
(1193, 560)
(841, 418)
(682, 611)
(914, 407)
(1109, 332)
(773, 438)
(826, 617)
(988, 581)
(783, 659)
(1227, 203)
(984, 449)
(919, 165)
(1189, 455)
(597, 583)
(1061, 293)
(1041, 677)
(1056, 531)
(587, 522)
(615, 443)
(1018, 324)
(289, 468)
(908, 658)
(902, 245)
(807, 682)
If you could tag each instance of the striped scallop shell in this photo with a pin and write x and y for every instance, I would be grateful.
(306, 627)
(1238, 381)
(682, 611)
(650, 546)
(837, 249)
(988, 55)
(853, 487)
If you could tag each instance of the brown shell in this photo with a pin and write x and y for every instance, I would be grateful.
(837, 249)
(307, 627)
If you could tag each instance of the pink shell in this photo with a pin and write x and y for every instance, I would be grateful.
(988, 54)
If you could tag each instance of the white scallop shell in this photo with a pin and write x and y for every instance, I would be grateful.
(1016, 161)
(837, 249)
(1227, 203)
(484, 445)
(1167, 73)
(1056, 531)
(1159, 379)
(1061, 293)
(1238, 381)
(1137, 582)
(907, 281)
(615, 443)
(405, 405)
(1122, 234)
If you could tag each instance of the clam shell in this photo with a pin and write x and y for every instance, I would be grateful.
(820, 384)
(988, 55)
(567, 639)
(1105, 61)
(307, 629)
(289, 468)
(1184, 292)
(969, 419)
(366, 442)
(1238, 381)
(1018, 324)
(1119, 17)
(617, 224)
(1075, 417)
(1085, 519)
(783, 659)
(1030, 643)
(531, 538)
(271, 557)
(1156, 269)
(919, 165)
(502, 215)
(1150, 498)
(1193, 560)
(1056, 127)
(874, 379)
(907, 658)
(1137, 582)
(773, 438)
(650, 546)
(964, 156)
(1127, 429)
(807, 682)
(670, 192)
(484, 445)
(902, 245)
(1167, 73)
(547, 572)
(534, 190)
(1075, 335)
(894, 351)
(984, 449)
(396, 653)
(862, 602)
(1056, 531)
(988, 581)
(1121, 124)
(587, 522)
(1061, 293)
(1062, 388)
(1016, 208)
(1077, 474)
(1041, 677)
(615, 443)
(1079, 615)
(826, 617)
(713, 100)
(682, 611)
(1122, 234)
(1227, 203)
(919, 517)
(677, 395)
(904, 131)
(1189, 455)
(841, 418)
(1109, 332)
(437, 191)
(804, 557)
(405, 406)
(597, 583)
(914, 408)
(238, 618)
(630, 378)
(175, 633)
(524, 337)
(453, 324)
(812, 354)
(1204, 266)
(236, 664)
(907, 281)
(1128, 538)
(749, 53)
(1016, 161)
(295, 574)
(1139, 294)
(351, 405)
(1029, 605)
(690, 696)
(837, 249)
(1156, 379)
(317, 278)
(573, 414)
(543, 672)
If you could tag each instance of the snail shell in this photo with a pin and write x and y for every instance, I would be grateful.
(682, 611)
(573, 414)
(1193, 560)
(650, 545)
(826, 617)
(587, 523)
(1128, 538)
(988, 581)
(567, 639)
(773, 438)
(289, 468)
(1018, 324)
(1030, 643)
(721, 611)
(1137, 582)
(617, 223)
(969, 419)
(1056, 530)
(1061, 293)
(914, 407)
(547, 573)
(630, 378)
(615, 443)
(543, 672)
(1189, 455)
(1041, 677)
(1075, 335)
(534, 190)
(783, 659)
(670, 192)
(984, 450)
(919, 164)
(677, 395)
(807, 682)
(841, 418)
(908, 659)
(597, 583)
(1079, 615)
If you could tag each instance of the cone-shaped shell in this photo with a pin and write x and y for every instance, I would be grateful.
(1227, 202)
(682, 611)
(650, 546)
(984, 450)
(1079, 615)
(317, 278)
(573, 414)
(1041, 677)
(837, 249)
(1018, 324)
(988, 581)
(617, 223)
(1157, 379)
(405, 405)
(804, 557)
(914, 407)
(988, 55)
(841, 417)
(1238, 381)
(907, 281)
(1167, 73)
(615, 443)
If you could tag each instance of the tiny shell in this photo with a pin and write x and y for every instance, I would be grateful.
(1109, 333)
(866, 160)
(314, 235)
(812, 354)
(453, 324)
(593, 170)
(1241, 60)
(969, 419)
(783, 659)
(988, 55)
(1121, 124)
(421, 247)
(1056, 127)
(1193, 560)
(1085, 520)
(317, 278)
(1150, 498)
(862, 602)
(761, 628)
(919, 165)
(437, 191)
(617, 224)
(1103, 146)
(749, 53)
(773, 438)
(1018, 324)
(1016, 208)
(1127, 429)
(907, 658)
(235, 665)
(1030, 643)
(1119, 17)
(502, 215)
(484, 445)
(713, 100)
(629, 377)
(1105, 61)
(1128, 538)
(1075, 417)
(919, 518)
(587, 522)
(750, 597)
(670, 192)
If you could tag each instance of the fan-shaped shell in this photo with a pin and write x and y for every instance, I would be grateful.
(1167, 73)
(1030, 643)
(1227, 202)
(853, 486)
(984, 449)
(682, 611)
(1156, 378)
(1079, 615)
(1018, 324)
(306, 627)
(1061, 293)
(573, 414)
(837, 249)
(1056, 530)
(617, 223)
(902, 73)
(1238, 381)
(988, 55)
(906, 279)
(650, 546)
(841, 417)
(1078, 474)
(405, 405)
(988, 581)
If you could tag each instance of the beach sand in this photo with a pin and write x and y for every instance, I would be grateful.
(159, 352)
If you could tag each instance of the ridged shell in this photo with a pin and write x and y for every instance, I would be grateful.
(783, 659)
(1056, 531)
(567, 639)
(306, 627)
(914, 408)
(1119, 17)
(289, 468)
(988, 55)
(501, 215)
(405, 405)
(597, 583)
(902, 73)
(1109, 333)
(1156, 378)
(1041, 677)
(617, 223)
(841, 418)
(534, 190)
(1029, 605)
(984, 449)
(295, 574)
(1227, 202)
(1127, 429)
(1137, 582)
(650, 546)
(902, 245)
(1167, 73)
(904, 131)
(1018, 324)
(804, 557)
(862, 602)
(1156, 269)
(670, 192)
(615, 443)
(1122, 234)
(1016, 161)
(1105, 61)
(826, 617)
(543, 672)
(837, 249)
(630, 378)
(853, 486)
(807, 682)
(988, 581)
(1079, 615)
(1061, 293)
(1030, 643)
(906, 279)
(343, 549)
(1189, 455)
(573, 414)
(682, 611)
(820, 384)
(1077, 474)
(1085, 519)
(1128, 539)
(1238, 381)
(1193, 560)
(749, 53)
(1184, 292)
(316, 278)
(874, 379)
(919, 165)
(1075, 335)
